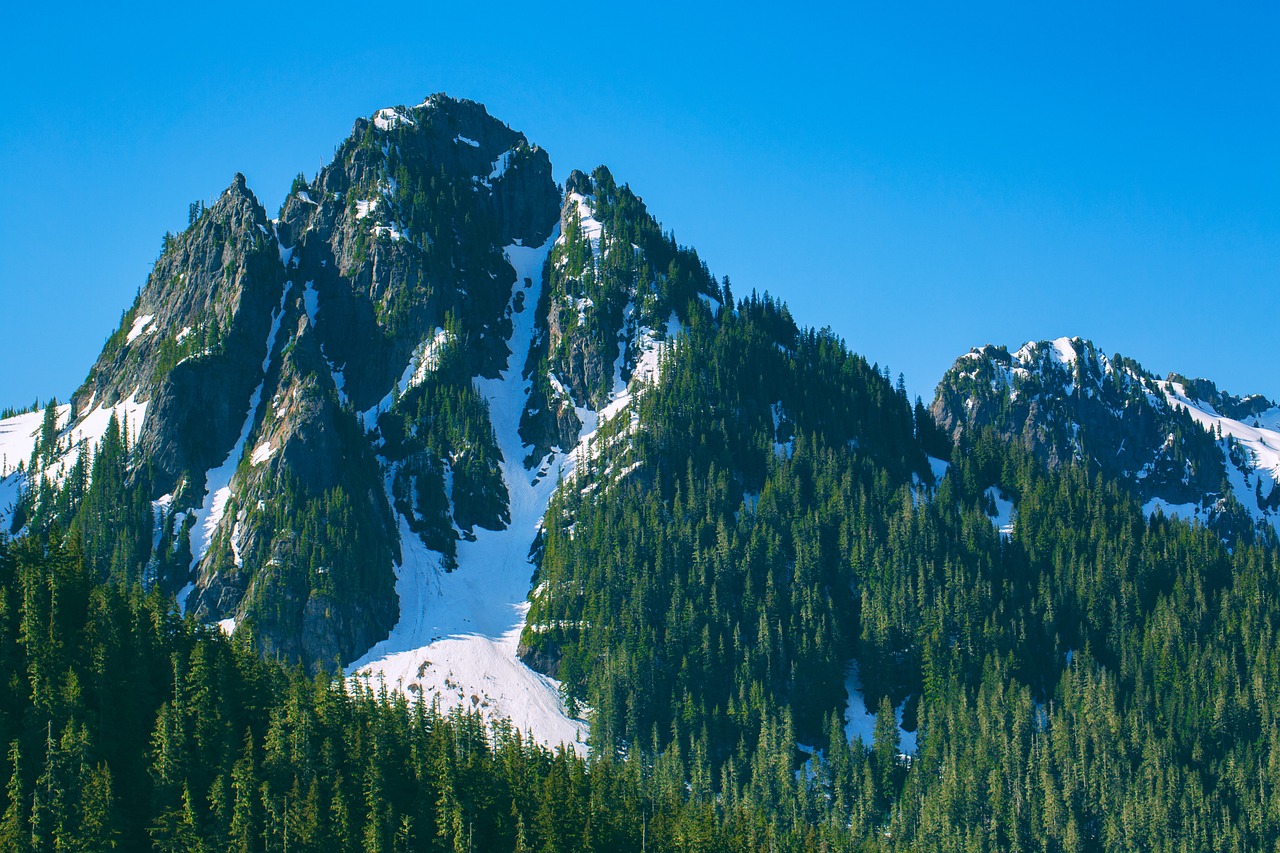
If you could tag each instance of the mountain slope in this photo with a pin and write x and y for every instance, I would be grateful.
(273, 370)
(458, 639)
(395, 376)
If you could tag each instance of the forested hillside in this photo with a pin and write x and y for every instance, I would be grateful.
(1094, 681)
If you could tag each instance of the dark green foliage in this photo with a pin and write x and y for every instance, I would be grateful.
(1108, 414)
(591, 284)
(623, 284)
(205, 340)
(129, 728)
(453, 229)
(717, 578)
(324, 547)
(703, 607)
(441, 429)
(1094, 681)
(13, 411)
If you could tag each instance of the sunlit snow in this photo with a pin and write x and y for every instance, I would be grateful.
(139, 327)
(261, 453)
(388, 118)
(458, 632)
(1004, 515)
(1260, 443)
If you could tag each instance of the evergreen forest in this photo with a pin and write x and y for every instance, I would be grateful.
(1094, 680)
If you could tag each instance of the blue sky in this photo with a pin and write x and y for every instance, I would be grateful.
(921, 178)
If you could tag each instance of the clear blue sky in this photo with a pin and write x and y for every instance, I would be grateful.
(921, 179)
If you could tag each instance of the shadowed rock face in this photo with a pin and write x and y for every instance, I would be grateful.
(198, 356)
(267, 350)
(407, 225)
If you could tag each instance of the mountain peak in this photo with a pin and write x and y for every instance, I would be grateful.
(1170, 441)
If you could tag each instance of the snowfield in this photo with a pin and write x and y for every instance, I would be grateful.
(1004, 515)
(18, 437)
(457, 638)
(1259, 437)
(458, 632)
(20, 434)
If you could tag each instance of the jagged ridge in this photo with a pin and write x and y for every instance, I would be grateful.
(1178, 444)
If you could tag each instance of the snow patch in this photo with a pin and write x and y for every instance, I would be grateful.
(1185, 511)
(422, 363)
(262, 452)
(129, 413)
(18, 437)
(1004, 514)
(140, 327)
(1063, 351)
(500, 166)
(183, 595)
(386, 119)
(1258, 442)
(860, 722)
(311, 301)
(465, 141)
(389, 231)
(426, 358)
(592, 229)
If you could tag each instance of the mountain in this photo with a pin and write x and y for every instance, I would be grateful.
(454, 509)
(339, 415)
(1179, 445)
(259, 355)
(340, 431)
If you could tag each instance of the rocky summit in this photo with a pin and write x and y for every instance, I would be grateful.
(1179, 445)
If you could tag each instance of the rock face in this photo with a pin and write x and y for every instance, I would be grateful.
(307, 385)
(307, 381)
(1175, 442)
(616, 286)
(193, 341)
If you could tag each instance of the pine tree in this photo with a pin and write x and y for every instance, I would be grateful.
(15, 830)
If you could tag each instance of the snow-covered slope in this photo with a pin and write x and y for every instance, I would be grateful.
(20, 434)
(1251, 445)
(18, 438)
(457, 640)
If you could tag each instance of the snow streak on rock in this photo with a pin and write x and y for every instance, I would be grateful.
(209, 514)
